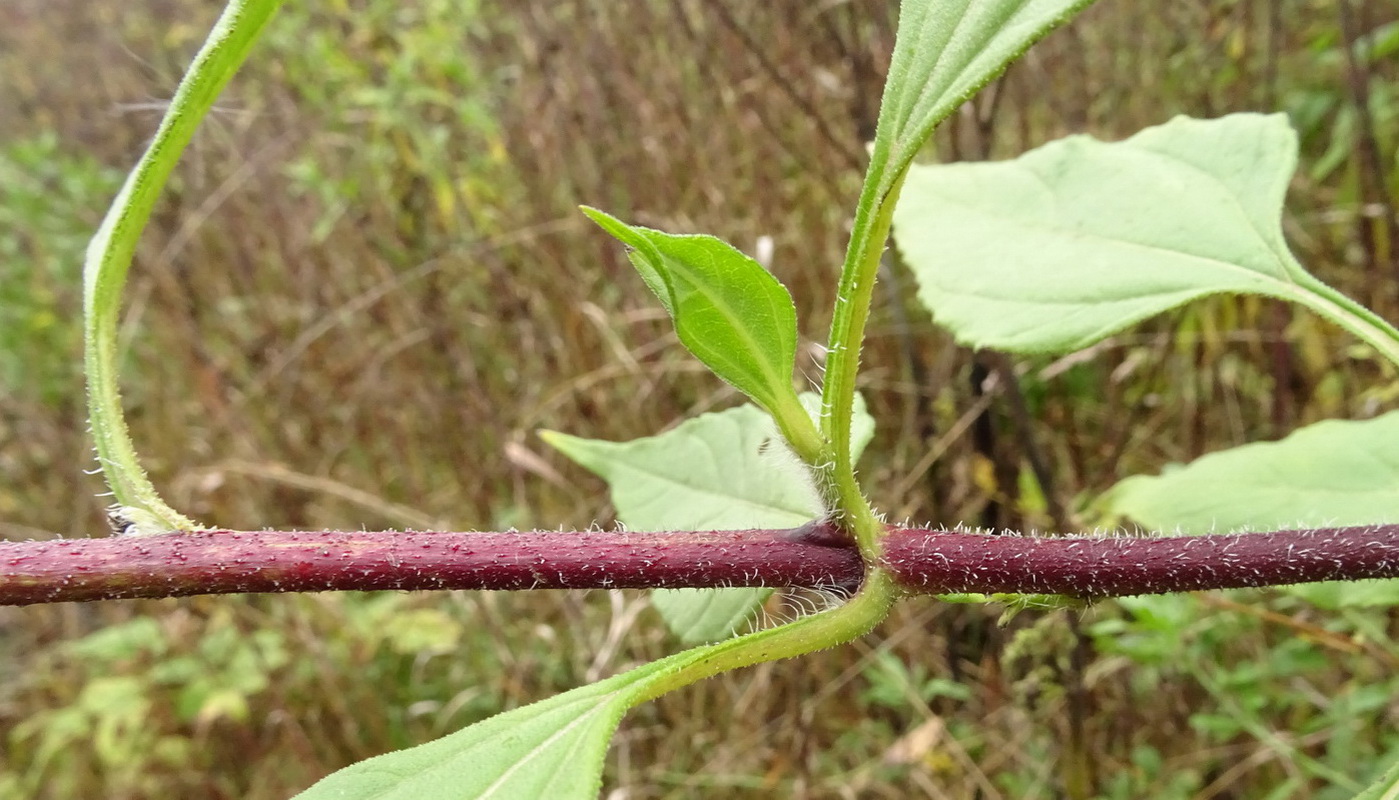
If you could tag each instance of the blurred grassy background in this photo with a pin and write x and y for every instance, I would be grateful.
(368, 285)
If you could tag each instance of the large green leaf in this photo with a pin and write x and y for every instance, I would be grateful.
(554, 748)
(1331, 473)
(1335, 472)
(1078, 239)
(728, 310)
(719, 471)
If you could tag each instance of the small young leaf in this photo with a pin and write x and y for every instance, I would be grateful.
(729, 311)
(719, 471)
(1078, 239)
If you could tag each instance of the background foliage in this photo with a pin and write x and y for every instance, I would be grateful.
(368, 286)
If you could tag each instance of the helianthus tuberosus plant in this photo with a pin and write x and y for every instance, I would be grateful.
(1051, 252)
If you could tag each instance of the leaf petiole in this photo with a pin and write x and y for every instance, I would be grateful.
(114, 245)
(1365, 324)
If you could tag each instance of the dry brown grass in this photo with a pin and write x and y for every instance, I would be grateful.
(392, 370)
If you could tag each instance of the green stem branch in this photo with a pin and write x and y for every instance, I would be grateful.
(855, 294)
(807, 635)
(1367, 326)
(110, 254)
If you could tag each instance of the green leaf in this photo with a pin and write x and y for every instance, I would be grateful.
(554, 748)
(1078, 239)
(945, 51)
(1327, 474)
(719, 471)
(1385, 788)
(728, 310)
(697, 616)
(110, 253)
(1336, 472)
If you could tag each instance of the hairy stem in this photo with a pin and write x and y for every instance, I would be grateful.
(1092, 567)
(1368, 326)
(808, 634)
(916, 560)
(854, 294)
(110, 254)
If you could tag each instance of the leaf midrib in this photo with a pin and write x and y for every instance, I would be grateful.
(602, 704)
(736, 323)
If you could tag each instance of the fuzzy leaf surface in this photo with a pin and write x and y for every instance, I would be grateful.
(719, 471)
(1336, 472)
(1078, 239)
(946, 51)
(555, 748)
(728, 310)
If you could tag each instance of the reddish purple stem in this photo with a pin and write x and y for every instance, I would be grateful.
(1116, 567)
(921, 560)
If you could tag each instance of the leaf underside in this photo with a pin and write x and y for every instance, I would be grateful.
(1332, 473)
(719, 471)
(1078, 239)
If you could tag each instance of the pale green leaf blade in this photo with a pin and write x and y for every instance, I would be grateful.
(1331, 473)
(719, 471)
(728, 310)
(1336, 472)
(696, 616)
(553, 748)
(715, 472)
(945, 52)
(724, 470)
(1078, 239)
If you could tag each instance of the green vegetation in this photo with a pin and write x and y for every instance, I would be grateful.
(322, 359)
(49, 200)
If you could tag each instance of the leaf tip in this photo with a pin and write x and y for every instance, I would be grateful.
(607, 222)
(553, 438)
